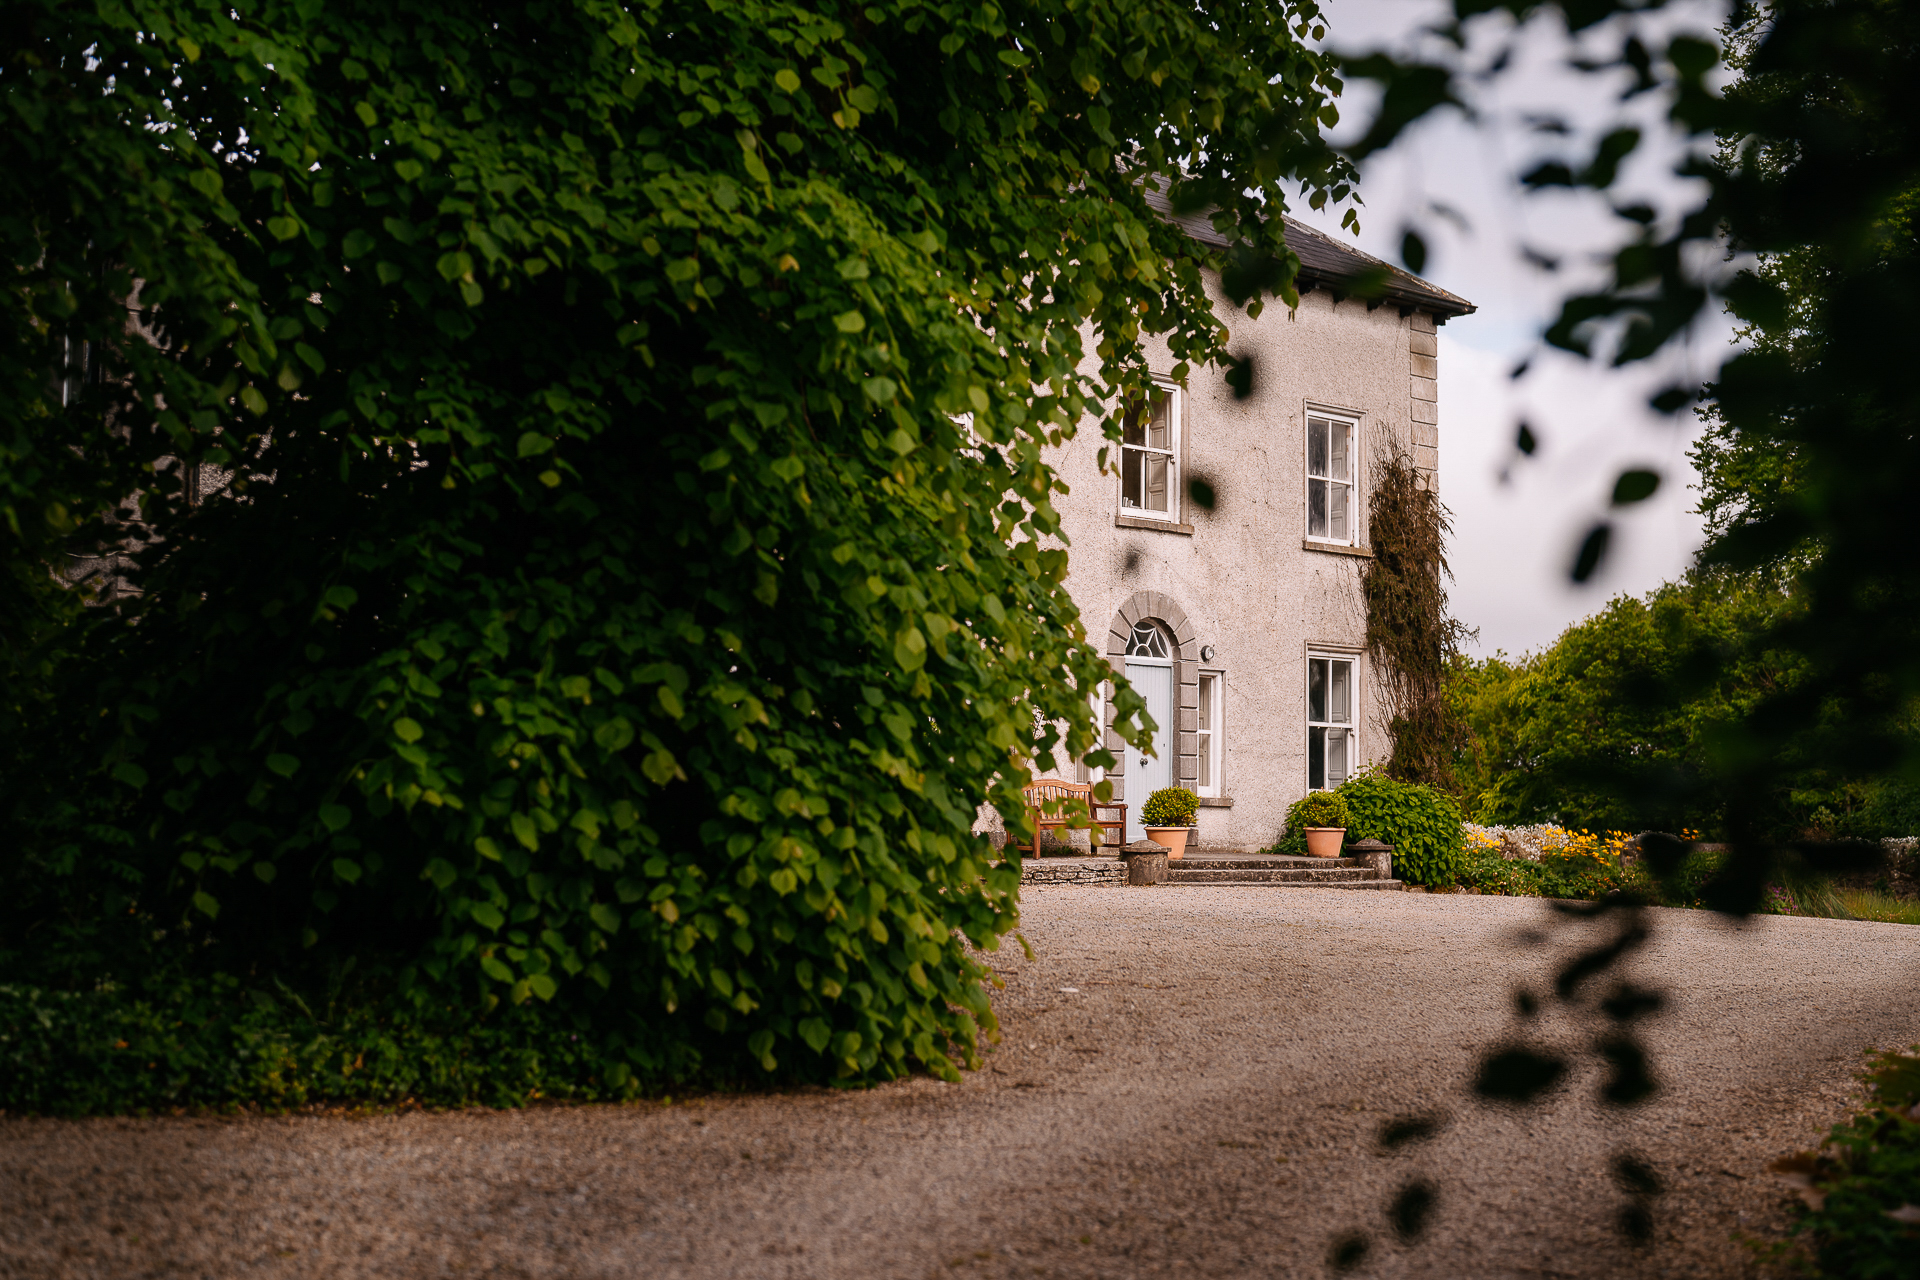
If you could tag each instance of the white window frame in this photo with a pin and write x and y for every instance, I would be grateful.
(1102, 691)
(1209, 730)
(1173, 453)
(1351, 726)
(1350, 423)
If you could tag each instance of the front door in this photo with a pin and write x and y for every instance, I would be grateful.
(1146, 773)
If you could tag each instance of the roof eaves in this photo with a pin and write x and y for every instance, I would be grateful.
(1327, 263)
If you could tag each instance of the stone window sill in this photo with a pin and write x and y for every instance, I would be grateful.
(1216, 802)
(1158, 526)
(1336, 548)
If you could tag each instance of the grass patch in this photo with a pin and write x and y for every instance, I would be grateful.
(1870, 904)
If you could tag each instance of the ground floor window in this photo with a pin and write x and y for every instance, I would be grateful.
(1330, 745)
(1101, 693)
(1207, 736)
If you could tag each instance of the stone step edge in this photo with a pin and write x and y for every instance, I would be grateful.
(1254, 878)
(1390, 885)
(1266, 864)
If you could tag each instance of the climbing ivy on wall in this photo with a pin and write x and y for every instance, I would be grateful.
(1410, 636)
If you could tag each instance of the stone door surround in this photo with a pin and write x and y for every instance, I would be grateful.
(1158, 607)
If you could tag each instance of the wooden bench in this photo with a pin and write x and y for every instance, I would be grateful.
(1070, 800)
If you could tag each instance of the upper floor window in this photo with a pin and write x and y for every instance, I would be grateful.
(1330, 459)
(1150, 455)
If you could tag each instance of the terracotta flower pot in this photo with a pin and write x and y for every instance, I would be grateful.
(1175, 838)
(1325, 842)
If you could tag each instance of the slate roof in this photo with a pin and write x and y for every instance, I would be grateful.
(1329, 264)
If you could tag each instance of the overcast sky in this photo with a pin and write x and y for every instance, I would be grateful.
(1514, 537)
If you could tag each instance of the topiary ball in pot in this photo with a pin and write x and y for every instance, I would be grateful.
(1423, 826)
(1321, 819)
(1167, 815)
(1170, 807)
(1318, 809)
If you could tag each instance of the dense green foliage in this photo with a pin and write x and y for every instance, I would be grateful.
(1755, 469)
(206, 1042)
(1586, 732)
(1863, 1219)
(1421, 823)
(1318, 809)
(1170, 807)
(1620, 722)
(626, 575)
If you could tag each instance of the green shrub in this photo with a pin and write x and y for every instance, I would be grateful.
(1490, 872)
(1868, 1169)
(1170, 807)
(1587, 878)
(1423, 826)
(1318, 809)
(215, 1044)
(1689, 885)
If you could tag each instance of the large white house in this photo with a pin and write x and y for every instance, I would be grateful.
(1242, 625)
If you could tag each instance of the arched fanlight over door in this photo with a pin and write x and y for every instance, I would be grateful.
(1147, 641)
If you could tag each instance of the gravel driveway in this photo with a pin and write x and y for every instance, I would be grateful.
(1191, 1084)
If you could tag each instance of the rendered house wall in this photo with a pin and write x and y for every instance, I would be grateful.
(1238, 577)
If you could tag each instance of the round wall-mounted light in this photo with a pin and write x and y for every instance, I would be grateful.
(1206, 653)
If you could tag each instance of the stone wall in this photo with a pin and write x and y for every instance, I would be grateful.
(1084, 871)
(1899, 877)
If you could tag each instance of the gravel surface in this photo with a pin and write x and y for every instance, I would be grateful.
(1191, 1084)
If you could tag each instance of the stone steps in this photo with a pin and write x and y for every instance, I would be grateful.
(1177, 874)
(1279, 873)
(1250, 870)
(1268, 863)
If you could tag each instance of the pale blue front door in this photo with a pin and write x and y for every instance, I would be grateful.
(1146, 773)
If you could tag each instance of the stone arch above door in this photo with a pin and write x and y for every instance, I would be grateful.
(1159, 607)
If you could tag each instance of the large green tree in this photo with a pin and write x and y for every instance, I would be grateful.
(1594, 730)
(1754, 465)
(626, 571)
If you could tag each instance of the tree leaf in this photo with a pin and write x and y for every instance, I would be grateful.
(1634, 486)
